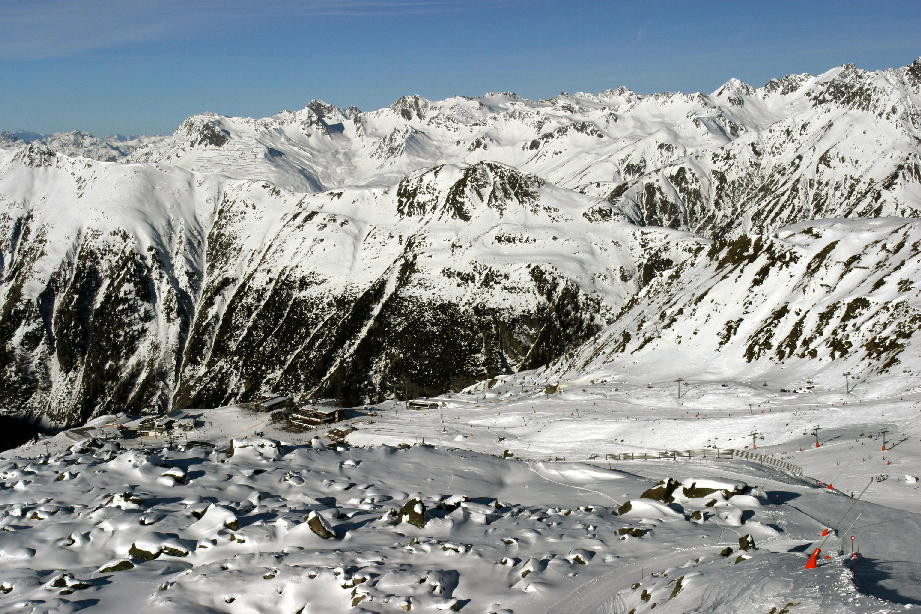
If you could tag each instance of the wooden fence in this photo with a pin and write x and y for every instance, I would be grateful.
(713, 453)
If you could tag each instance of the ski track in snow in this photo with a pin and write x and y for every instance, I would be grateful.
(544, 477)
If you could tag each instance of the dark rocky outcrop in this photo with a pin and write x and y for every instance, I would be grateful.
(16, 431)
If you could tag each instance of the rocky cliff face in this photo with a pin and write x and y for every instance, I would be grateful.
(100, 269)
(431, 244)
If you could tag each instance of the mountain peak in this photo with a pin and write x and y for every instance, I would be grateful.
(913, 72)
(411, 106)
(322, 108)
(734, 90)
(620, 91)
(205, 130)
(508, 95)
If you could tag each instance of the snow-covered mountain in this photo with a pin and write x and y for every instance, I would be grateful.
(77, 143)
(432, 244)
(807, 303)
(135, 286)
(840, 144)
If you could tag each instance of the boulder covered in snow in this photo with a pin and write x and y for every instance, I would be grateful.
(413, 512)
(320, 526)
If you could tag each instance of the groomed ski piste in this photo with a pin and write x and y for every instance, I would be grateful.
(508, 497)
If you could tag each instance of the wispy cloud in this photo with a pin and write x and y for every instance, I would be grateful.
(53, 28)
(373, 8)
(58, 28)
(641, 32)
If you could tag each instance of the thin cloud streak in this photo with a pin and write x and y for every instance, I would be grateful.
(45, 29)
(641, 32)
(56, 28)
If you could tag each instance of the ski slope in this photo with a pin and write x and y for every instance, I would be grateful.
(515, 534)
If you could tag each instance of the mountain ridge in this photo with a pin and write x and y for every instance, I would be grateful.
(429, 245)
(692, 161)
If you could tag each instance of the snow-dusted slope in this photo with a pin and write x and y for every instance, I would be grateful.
(835, 295)
(227, 521)
(129, 287)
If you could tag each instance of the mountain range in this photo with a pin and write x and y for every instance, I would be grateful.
(430, 245)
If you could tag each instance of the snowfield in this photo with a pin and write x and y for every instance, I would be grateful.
(239, 515)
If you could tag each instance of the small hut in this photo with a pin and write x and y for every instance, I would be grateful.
(422, 404)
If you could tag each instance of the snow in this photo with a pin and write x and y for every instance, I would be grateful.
(524, 493)
(520, 534)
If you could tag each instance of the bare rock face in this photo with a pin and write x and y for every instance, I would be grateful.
(413, 512)
(320, 526)
(662, 491)
(210, 134)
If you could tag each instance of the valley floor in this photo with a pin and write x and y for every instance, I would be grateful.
(419, 511)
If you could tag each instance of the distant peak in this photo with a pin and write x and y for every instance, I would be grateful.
(623, 90)
(845, 71)
(205, 130)
(913, 71)
(411, 106)
(321, 108)
(851, 69)
(22, 135)
(787, 84)
(734, 91)
(736, 84)
(511, 95)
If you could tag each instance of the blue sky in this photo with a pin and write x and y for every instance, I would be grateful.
(131, 66)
